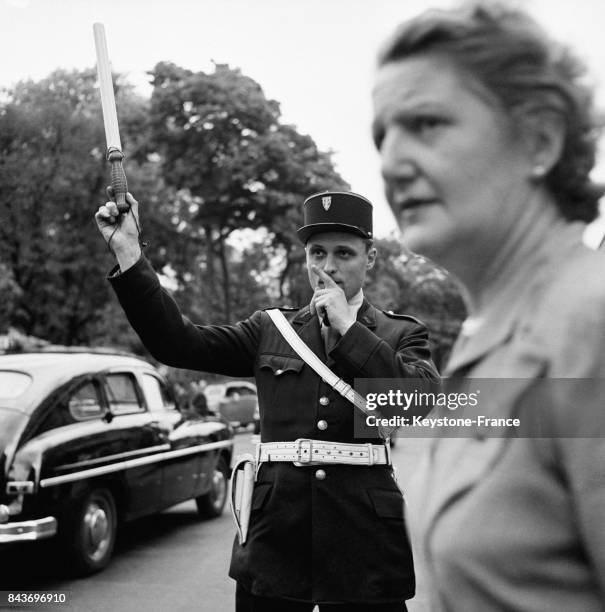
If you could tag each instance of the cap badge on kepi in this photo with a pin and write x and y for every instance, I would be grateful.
(326, 202)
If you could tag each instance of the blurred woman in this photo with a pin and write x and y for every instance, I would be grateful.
(487, 137)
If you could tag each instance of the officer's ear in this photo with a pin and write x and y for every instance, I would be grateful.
(371, 258)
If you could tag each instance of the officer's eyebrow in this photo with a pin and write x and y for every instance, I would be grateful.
(318, 245)
(314, 245)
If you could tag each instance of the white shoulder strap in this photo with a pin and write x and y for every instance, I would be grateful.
(314, 362)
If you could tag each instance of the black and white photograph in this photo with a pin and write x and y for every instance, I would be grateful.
(302, 305)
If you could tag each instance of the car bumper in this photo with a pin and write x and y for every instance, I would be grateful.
(28, 530)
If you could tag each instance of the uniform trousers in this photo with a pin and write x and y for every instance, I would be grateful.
(247, 602)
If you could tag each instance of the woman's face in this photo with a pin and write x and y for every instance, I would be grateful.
(454, 176)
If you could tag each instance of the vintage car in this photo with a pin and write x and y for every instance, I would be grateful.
(236, 400)
(91, 438)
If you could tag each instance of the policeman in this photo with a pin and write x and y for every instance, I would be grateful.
(327, 532)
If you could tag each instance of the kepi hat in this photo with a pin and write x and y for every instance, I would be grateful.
(336, 211)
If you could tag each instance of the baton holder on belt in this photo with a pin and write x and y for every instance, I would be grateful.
(242, 480)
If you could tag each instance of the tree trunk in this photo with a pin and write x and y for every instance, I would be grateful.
(226, 280)
(210, 291)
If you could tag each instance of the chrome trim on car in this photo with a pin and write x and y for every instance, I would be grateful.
(17, 487)
(140, 451)
(28, 530)
(132, 463)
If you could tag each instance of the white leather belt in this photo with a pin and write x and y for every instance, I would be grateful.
(313, 452)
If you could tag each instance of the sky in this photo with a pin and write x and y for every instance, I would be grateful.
(315, 57)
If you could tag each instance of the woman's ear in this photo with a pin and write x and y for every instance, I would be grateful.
(544, 138)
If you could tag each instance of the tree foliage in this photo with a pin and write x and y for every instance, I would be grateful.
(233, 165)
(409, 284)
(49, 172)
(53, 174)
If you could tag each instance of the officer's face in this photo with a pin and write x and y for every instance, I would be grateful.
(343, 256)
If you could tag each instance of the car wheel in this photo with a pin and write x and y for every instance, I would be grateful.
(94, 532)
(211, 504)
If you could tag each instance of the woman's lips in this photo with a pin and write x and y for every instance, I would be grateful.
(416, 203)
(410, 210)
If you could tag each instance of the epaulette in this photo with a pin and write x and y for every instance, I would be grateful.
(286, 308)
(394, 315)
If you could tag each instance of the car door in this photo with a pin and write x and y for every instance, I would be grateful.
(180, 468)
(135, 436)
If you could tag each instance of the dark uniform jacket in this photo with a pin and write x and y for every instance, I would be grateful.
(340, 539)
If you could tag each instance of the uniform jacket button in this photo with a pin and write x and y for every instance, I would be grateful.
(323, 425)
(320, 474)
(278, 372)
(324, 401)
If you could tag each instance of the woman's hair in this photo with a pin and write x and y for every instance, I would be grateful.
(505, 51)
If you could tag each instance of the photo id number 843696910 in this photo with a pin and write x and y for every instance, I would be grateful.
(32, 599)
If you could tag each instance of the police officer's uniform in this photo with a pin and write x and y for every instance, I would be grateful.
(320, 533)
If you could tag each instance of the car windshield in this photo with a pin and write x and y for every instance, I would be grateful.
(13, 384)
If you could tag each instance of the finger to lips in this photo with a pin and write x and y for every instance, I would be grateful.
(324, 276)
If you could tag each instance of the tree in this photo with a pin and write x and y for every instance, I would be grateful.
(233, 165)
(52, 177)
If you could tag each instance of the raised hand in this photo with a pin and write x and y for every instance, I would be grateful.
(329, 299)
(120, 231)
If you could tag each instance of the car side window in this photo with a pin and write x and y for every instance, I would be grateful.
(122, 394)
(156, 394)
(81, 404)
(84, 404)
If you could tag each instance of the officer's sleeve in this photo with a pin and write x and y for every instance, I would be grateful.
(365, 355)
(172, 338)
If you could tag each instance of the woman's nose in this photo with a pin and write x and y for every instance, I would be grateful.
(397, 164)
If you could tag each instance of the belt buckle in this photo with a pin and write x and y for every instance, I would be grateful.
(304, 449)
